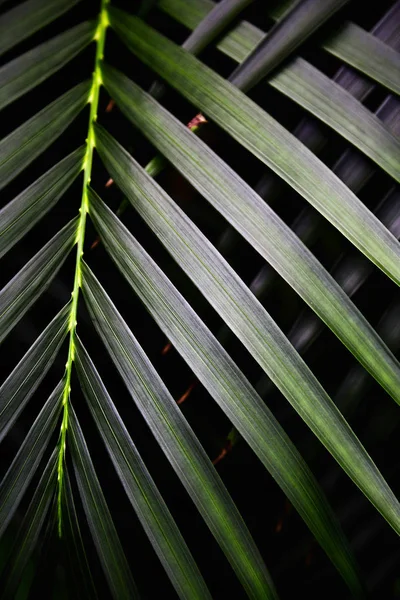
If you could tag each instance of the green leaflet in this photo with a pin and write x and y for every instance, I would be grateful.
(105, 536)
(351, 44)
(282, 39)
(74, 543)
(31, 527)
(368, 54)
(29, 372)
(178, 442)
(318, 94)
(226, 384)
(248, 319)
(21, 22)
(34, 278)
(23, 145)
(334, 106)
(213, 24)
(265, 138)
(26, 462)
(28, 70)
(138, 484)
(253, 218)
(208, 29)
(22, 213)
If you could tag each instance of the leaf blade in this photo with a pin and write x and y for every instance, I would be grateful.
(34, 278)
(27, 459)
(368, 54)
(75, 541)
(105, 536)
(177, 441)
(351, 44)
(22, 213)
(138, 484)
(253, 218)
(310, 88)
(281, 40)
(28, 141)
(28, 70)
(29, 532)
(29, 372)
(278, 149)
(226, 384)
(25, 19)
(247, 318)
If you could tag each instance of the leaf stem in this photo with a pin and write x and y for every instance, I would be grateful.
(93, 99)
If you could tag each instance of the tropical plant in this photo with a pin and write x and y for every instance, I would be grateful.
(272, 224)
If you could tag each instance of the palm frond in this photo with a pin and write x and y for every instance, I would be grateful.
(180, 278)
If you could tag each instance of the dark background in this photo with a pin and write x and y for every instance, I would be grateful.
(295, 561)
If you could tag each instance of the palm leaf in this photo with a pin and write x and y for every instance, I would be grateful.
(105, 537)
(178, 442)
(27, 71)
(221, 335)
(22, 213)
(24, 144)
(246, 211)
(142, 492)
(248, 124)
(25, 19)
(225, 383)
(350, 43)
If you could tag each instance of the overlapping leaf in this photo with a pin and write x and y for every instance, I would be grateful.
(25, 19)
(25, 463)
(246, 211)
(34, 278)
(138, 484)
(242, 207)
(247, 318)
(104, 534)
(226, 384)
(23, 145)
(29, 372)
(351, 44)
(265, 138)
(178, 442)
(28, 70)
(22, 213)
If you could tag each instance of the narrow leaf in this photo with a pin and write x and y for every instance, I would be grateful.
(28, 457)
(334, 106)
(145, 498)
(311, 89)
(28, 70)
(31, 527)
(265, 138)
(208, 29)
(22, 21)
(252, 217)
(366, 53)
(29, 372)
(178, 441)
(226, 384)
(292, 30)
(105, 536)
(32, 280)
(213, 24)
(22, 213)
(74, 541)
(350, 43)
(242, 312)
(23, 145)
